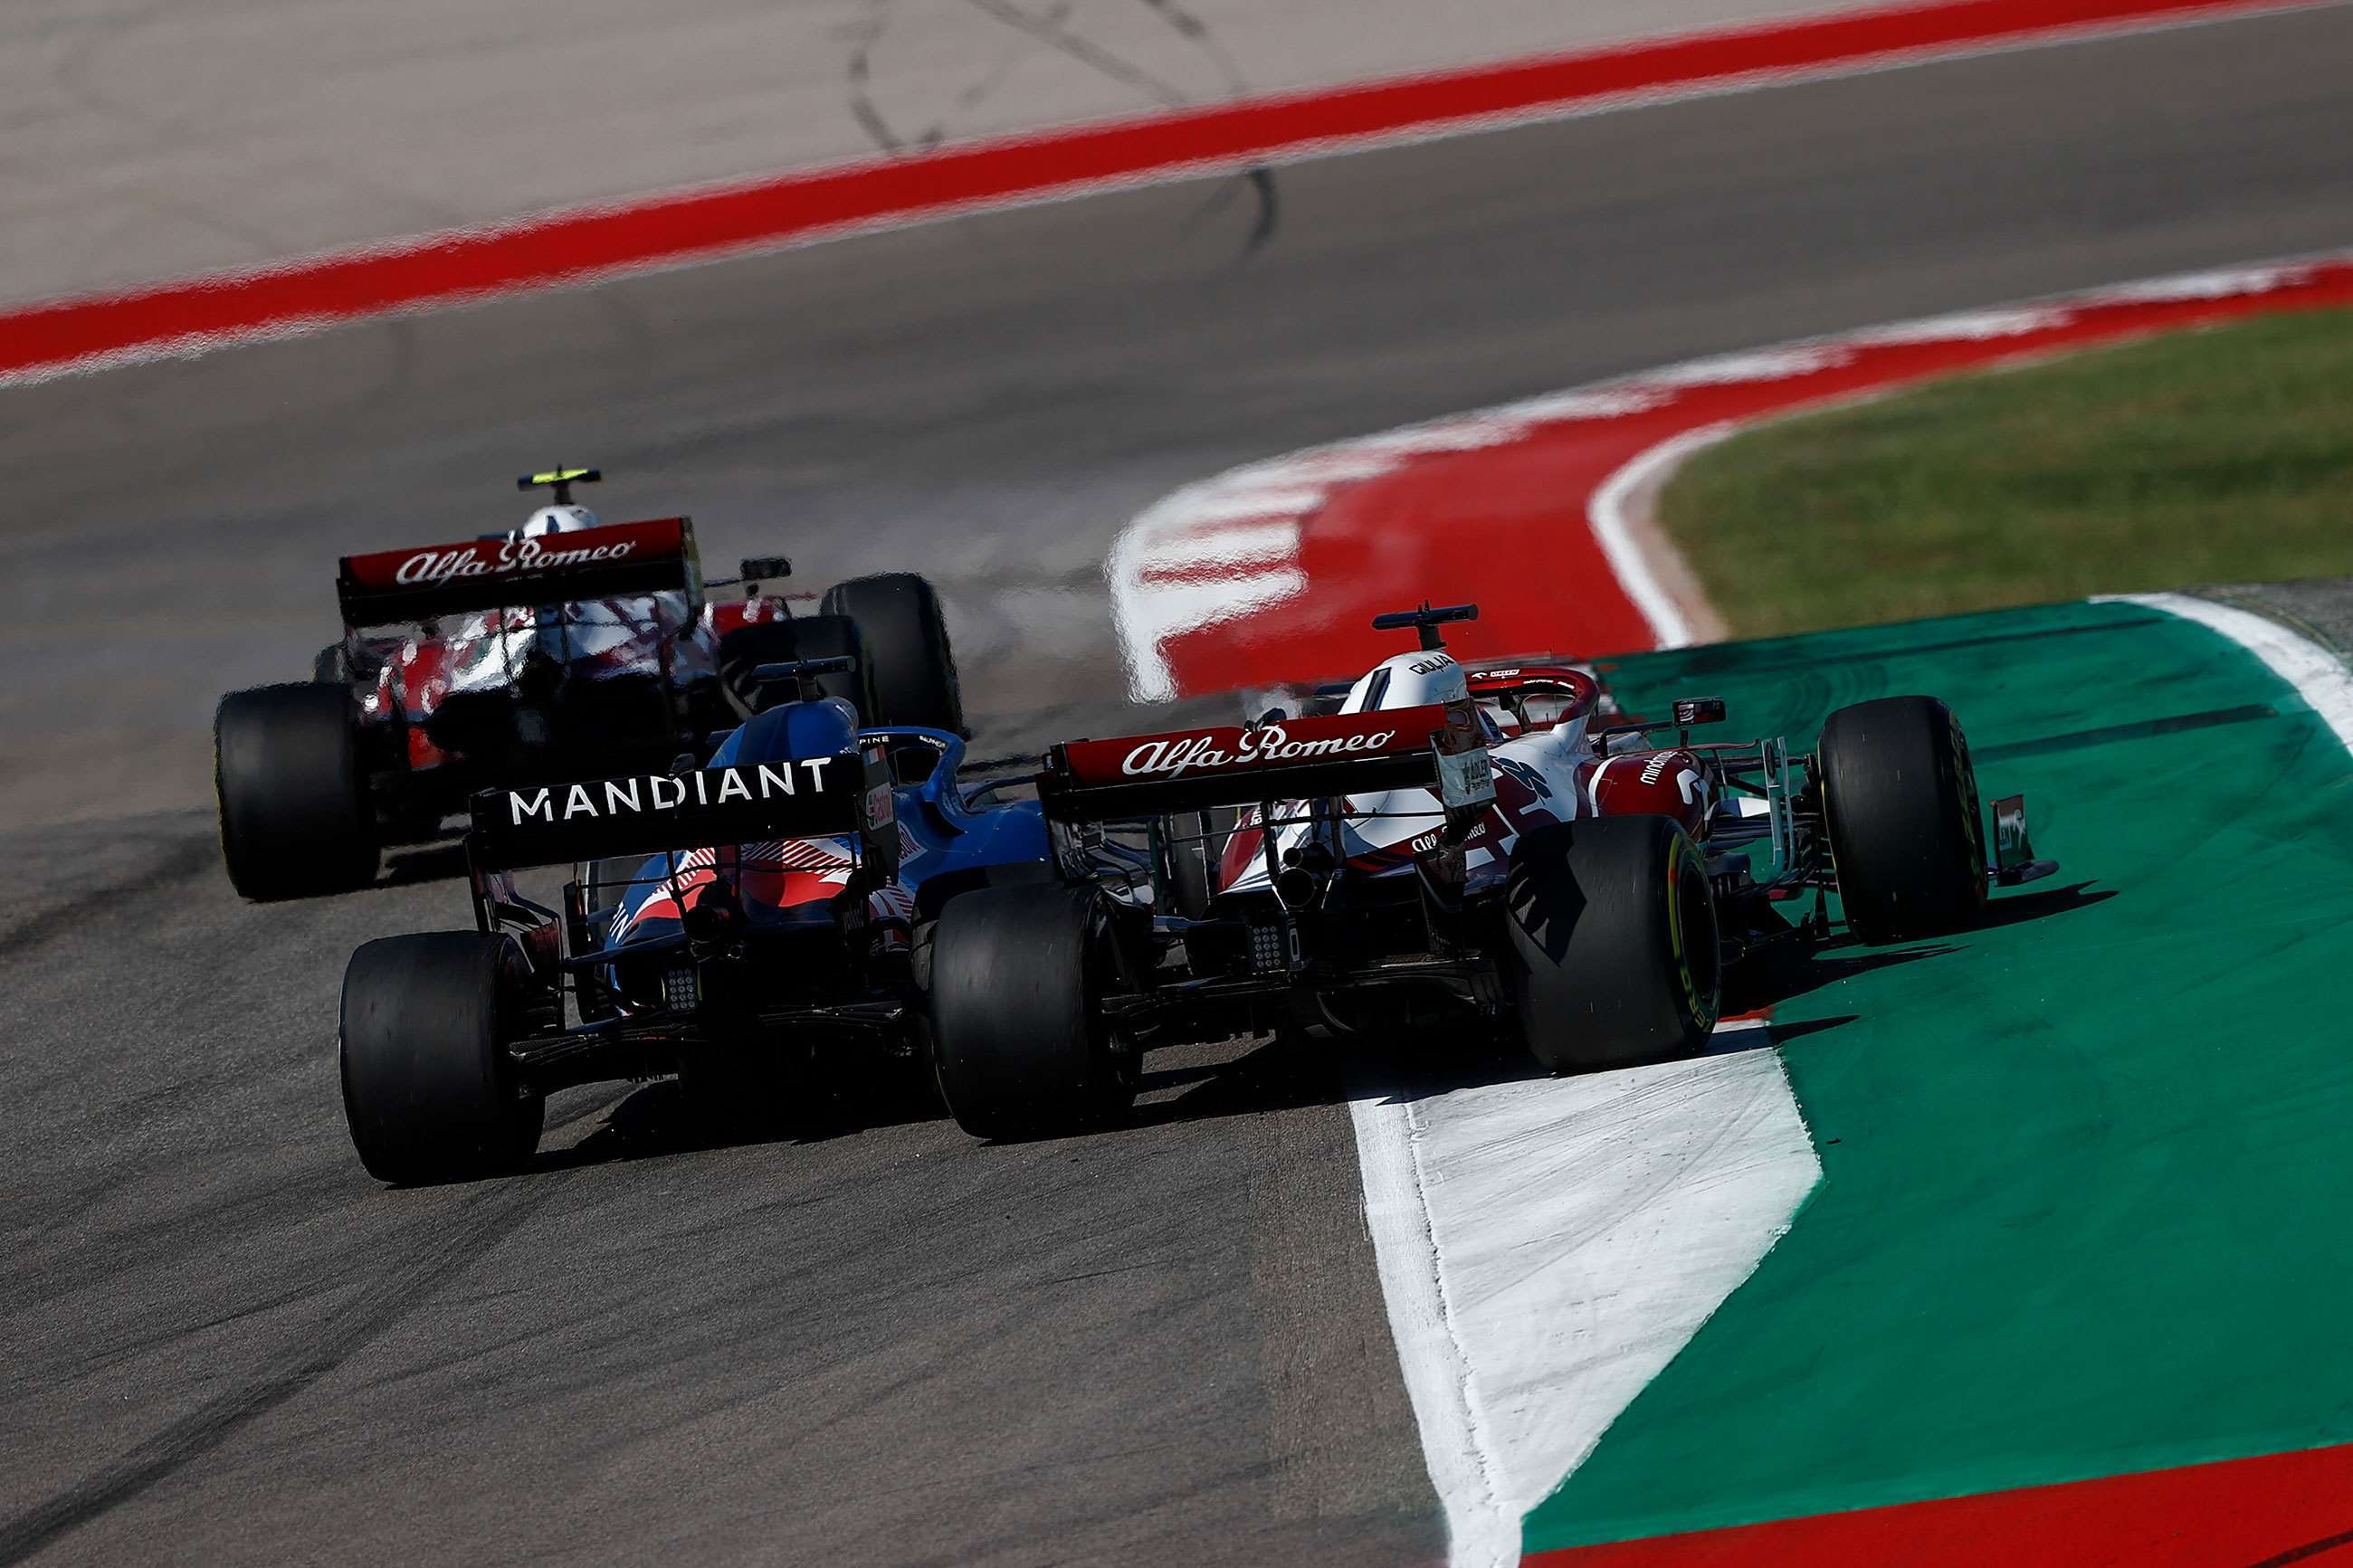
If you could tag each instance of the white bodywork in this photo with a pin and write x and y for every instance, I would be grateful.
(1541, 776)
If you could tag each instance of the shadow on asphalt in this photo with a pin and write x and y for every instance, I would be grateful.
(1290, 1071)
(666, 1117)
(433, 863)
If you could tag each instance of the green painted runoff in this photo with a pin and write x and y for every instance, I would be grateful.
(2088, 1176)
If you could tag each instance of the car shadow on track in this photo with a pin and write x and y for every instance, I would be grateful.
(664, 1116)
(1317, 1067)
(427, 863)
(1294, 1070)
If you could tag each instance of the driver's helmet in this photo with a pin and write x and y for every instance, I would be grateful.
(549, 519)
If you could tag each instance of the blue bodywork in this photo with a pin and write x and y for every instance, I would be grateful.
(941, 834)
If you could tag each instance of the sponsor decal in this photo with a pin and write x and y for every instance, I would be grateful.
(1172, 756)
(1465, 779)
(1430, 666)
(495, 558)
(604, 800)
(1527, 777)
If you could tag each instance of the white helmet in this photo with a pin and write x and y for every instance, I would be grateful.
(549, 519)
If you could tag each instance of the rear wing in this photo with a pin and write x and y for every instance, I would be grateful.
(392, 587)
(645, 814)
(1436, 747)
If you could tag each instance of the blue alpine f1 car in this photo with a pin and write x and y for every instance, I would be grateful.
(735, 917)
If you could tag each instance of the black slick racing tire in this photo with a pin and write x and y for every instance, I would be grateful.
(430, 1093)
(1900, 801)
(1020, 1042)
(914, 678)
(295, 819)
(1613, 942)
(746, 649)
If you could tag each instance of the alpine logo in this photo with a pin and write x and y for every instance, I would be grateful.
(503, 556)
(610, 798)
(1174, 756)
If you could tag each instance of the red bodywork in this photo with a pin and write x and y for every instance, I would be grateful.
(1652, 784)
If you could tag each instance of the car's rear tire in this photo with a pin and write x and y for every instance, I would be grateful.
(746, 649)
(1613, 941)
(295, 819)
(915, 678)
(429, 1092)
(1020, 1042)
(1900, 800)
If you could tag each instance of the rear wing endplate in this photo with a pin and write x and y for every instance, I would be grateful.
(392, 587)
(1296, 759)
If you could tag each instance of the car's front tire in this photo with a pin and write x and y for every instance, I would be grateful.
(1020, 1042)
(1900, 802)
(295, 817)
(429, 1092)
(1613, 941)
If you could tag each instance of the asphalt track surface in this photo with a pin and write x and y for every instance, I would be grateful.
(871, 1343)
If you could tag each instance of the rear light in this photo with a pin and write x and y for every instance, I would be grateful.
(681, 989)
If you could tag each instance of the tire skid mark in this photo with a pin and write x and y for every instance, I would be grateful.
(183, 861)
(485, 1221)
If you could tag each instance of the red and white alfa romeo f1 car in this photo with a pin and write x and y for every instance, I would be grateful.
(1476, 841)
(566, 648)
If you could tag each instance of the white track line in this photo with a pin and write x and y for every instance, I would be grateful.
(1225, 548)
(1614, 525)
(1548, 1246)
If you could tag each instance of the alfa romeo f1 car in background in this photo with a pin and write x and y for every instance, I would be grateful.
(728, 923)
(1453, 841)
(565, 648)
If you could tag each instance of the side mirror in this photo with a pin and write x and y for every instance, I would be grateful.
(756, 567)
(1689, 710)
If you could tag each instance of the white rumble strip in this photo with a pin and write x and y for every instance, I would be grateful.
(1227, 547)
(1548, 1246)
